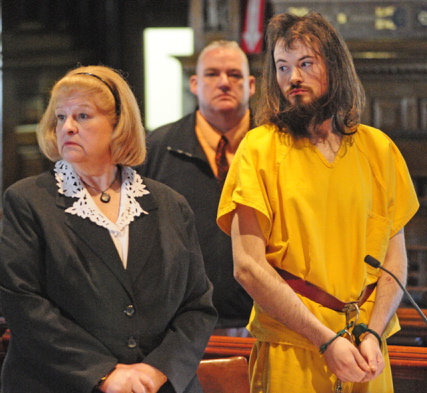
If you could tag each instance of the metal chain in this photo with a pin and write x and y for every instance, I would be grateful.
(352, 313)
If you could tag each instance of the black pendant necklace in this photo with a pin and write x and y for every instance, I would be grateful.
(105, 196)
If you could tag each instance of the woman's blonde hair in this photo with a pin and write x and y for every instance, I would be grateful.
(114, 98)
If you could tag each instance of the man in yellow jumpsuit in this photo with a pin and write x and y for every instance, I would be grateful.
(310, 193)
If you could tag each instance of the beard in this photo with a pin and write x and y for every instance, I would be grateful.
(298, 118)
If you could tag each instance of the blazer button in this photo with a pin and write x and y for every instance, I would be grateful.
(130, 311)
(132, 343)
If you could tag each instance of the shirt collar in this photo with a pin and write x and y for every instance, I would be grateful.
(69, 184)
(212, 136)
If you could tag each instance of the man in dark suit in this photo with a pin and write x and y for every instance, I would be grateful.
(192, 156)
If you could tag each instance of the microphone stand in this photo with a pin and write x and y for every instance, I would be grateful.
(376, 264)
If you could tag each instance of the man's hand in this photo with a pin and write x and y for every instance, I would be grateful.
(345, 361)
(371, 351)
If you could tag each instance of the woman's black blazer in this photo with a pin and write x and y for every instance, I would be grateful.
(73, 309)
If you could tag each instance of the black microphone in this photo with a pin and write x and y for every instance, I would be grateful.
(375, 263)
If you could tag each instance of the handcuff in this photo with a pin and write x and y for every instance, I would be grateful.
(357, 329)
(361, 329)
(353, 330)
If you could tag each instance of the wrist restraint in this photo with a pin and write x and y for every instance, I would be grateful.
(361, 329)
(358, 330)
(325, 346)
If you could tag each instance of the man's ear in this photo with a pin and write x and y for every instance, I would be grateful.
(252, 85)
(193, 84)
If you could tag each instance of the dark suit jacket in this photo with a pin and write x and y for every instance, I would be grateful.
(175, 158)
(75, 312)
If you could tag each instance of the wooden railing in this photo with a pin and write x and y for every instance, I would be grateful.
(413, 329)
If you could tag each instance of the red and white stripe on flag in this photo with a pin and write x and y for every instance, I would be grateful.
(253, 28)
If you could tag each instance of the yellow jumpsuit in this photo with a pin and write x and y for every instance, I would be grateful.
(319, 220)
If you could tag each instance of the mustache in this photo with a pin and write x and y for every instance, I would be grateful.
(293, 87)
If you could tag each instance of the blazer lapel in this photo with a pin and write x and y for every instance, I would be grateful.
(98, 240)
(142, 234)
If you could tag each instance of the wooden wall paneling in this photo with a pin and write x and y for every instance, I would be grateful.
(423, 114)
(10, 109)
(213, 20)
(367, 113)
(395, 114)
(387, 114)
(414, 150)
(410, 113)
(397, 107)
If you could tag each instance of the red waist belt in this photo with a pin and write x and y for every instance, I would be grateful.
(318, 295)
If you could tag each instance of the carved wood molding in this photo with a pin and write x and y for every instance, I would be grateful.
(213, 20)
(390, 68)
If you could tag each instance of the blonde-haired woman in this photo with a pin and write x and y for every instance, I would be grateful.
(102, 281)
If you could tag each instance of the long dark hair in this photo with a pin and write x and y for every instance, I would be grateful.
(345, 98)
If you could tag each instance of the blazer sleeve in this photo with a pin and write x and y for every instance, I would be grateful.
(40, 328)
(182, 348)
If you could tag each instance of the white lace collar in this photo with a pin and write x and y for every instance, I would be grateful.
(69, 184)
